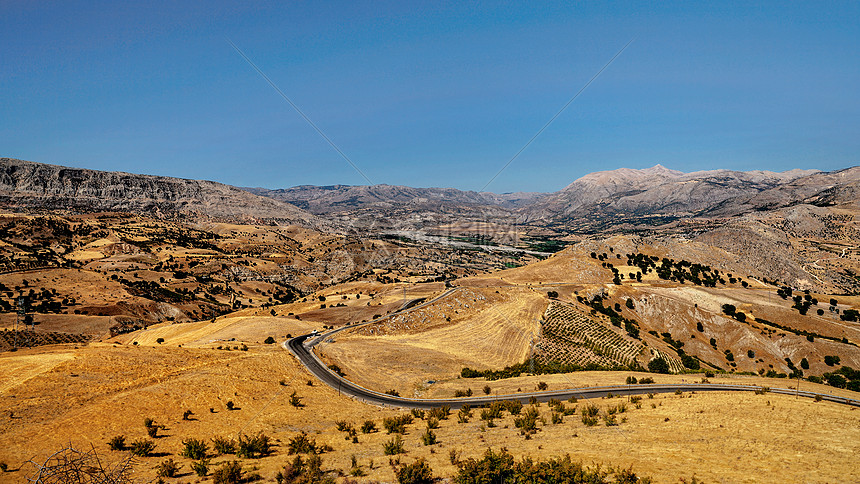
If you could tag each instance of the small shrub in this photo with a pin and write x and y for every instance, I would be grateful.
(223, 445)
(228, 473)
(302, 444)
(433, 423)
(194, 449)
(440, 412)
(454, 456)
(368, 426)
(231, 406)
(487, 389)
(253, 447)
(117, 443)
(591, 410)
(557, 418)
(514, 407)
(418, 472)
(428, 437)
(142, 448)
(393, 446)
(542, 386)
(167, 468)
(269, 340)
(527, 423)
(397, 425)
(186, 415)
(418, 413)
(159, 340)
(609, 419)
(343, 425)
(200, 467)
(589, 421)
(296, 400)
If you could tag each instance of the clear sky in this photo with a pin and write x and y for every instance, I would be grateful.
(428, 94)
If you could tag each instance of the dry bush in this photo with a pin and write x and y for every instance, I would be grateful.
(69, 465)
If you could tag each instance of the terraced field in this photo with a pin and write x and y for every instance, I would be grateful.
(571, 337)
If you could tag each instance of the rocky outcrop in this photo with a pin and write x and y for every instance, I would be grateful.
(26, 185)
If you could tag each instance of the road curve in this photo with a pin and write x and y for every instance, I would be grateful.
(302, 348)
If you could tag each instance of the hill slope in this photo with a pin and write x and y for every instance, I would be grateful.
(37, 186)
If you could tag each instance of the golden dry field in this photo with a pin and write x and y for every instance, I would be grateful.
(61, 395)
(211, 295)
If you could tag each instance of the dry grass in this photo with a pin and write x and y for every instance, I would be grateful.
(487, 330)
(717, 437)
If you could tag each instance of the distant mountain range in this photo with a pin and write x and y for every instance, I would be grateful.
(625, 199)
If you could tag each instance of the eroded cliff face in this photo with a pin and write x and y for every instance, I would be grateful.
(28, 185)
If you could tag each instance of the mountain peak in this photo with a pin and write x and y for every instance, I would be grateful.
(659, 169)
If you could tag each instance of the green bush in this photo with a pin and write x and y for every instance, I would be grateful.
(658, 365)
(253, 447)
(304, 472)
(228, 473)
(368, 426)
(428, 437)
(440, 412)
(690, 362)
(194, 449)
(117, 442)
(269, 340)
(393, 446)
(142, 447)
(200, 467)
(302, 444)
(418, 472)
(224, 445)
(167, 468)
(514, 407)
(527, 423)
(397, 425)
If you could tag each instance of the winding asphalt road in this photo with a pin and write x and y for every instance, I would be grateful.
(302, 348)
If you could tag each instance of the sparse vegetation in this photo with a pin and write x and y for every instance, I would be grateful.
(253, 446)
(117, 442)
(223, 445)
(142, 447)
(167, 468)
(229, 472)
(393, 446)
(194, 449)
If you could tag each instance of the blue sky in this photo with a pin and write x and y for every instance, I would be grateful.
(428, 94)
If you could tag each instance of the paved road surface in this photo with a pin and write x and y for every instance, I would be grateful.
(302, 348)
